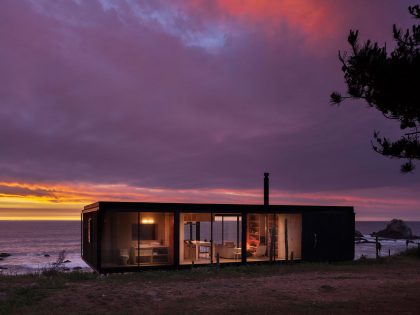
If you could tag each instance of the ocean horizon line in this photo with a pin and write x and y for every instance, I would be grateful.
(78, 220)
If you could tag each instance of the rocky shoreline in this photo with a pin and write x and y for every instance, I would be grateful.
(11, 268)
(396, 229)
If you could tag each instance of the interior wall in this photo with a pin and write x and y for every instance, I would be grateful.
(294, 233)
(159, 220)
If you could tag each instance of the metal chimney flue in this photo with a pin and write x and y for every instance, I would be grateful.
(266, 189)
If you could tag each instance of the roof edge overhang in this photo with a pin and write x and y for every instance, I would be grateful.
(184, 207)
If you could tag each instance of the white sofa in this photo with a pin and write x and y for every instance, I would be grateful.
(225, 251)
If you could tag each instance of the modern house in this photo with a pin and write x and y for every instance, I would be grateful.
(130, 236)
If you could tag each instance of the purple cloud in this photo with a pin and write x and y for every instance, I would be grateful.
(153, 94)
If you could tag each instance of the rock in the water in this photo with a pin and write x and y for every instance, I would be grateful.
(395, 229)
(357, 234)
(4, 255)
(46, 255)
(77, 268)
(359, 238)
(66, 261)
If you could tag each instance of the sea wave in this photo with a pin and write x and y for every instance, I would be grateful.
(388, 247)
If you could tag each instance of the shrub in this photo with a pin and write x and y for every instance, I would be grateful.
(55, 267)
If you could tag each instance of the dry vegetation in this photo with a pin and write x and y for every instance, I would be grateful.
(390, 285)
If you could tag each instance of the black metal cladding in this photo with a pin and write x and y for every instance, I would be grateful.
(176, 237)
(266, 189)
(327, 231)
(116, 206)
(90, 238)
(327, 236)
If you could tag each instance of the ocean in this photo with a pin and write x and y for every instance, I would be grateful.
(34, 245)
(388, 246)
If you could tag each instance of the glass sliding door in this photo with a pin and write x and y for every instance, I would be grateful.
(227, 237)
(207, 238)
(195, 238)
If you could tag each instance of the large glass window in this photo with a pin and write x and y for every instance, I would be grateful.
(207, 238)
(227, 236)
(117, 242)
(133, 239)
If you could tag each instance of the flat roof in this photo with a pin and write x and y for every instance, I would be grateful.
(208, 207)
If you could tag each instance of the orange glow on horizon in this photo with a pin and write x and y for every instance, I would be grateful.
(64, 201)
(29, 218)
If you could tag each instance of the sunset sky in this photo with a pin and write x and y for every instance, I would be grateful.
(191, 101)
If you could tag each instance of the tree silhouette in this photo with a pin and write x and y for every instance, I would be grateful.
(391, 84)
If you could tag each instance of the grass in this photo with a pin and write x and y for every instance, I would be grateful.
(34, 293)
(20, 297)
(25, 290)
(411, 253)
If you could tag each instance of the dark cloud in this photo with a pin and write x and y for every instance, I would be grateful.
(192, 99)
(24, 191)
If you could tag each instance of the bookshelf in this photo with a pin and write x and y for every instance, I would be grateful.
(254, 230)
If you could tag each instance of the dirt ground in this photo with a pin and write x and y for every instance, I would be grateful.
(386, 287)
